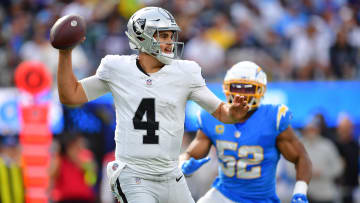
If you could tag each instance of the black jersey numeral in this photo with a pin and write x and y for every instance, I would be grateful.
(147, 105)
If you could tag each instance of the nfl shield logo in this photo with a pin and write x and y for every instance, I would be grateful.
(114, 166)
(149, 82)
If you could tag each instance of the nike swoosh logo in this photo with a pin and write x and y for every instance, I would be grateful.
(177, 179)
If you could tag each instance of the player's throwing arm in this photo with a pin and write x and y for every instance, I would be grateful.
(65, 34)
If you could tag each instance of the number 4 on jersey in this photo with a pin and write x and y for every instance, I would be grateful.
(147, 105)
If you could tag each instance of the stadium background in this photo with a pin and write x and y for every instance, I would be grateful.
(308, 48)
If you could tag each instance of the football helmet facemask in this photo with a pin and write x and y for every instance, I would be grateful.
(143, 27)
(245, 79)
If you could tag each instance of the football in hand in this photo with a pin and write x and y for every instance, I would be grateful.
(67, 32)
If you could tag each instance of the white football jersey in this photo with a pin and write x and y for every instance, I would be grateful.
(150, 110)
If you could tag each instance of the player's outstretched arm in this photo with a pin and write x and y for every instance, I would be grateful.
(232, 113)
(70, 90)
(294, 151)
(193, 158)
(225, 113)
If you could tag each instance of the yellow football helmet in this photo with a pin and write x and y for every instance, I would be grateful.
(245, 79)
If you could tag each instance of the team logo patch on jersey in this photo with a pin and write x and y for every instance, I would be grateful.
(219, 129)
(281, 113)
(237, 134)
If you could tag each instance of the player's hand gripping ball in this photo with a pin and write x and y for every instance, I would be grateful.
(67, 32)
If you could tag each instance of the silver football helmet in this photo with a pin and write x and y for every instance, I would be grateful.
(146, 23)
(246, 79)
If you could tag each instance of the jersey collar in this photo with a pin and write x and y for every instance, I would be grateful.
(140, 67)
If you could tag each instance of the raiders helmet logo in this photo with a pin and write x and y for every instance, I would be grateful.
(139, 26)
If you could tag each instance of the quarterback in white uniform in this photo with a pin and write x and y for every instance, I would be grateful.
(150, 91)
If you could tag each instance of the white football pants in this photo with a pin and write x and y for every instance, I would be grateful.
(140, 188)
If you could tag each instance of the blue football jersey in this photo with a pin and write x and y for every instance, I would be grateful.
(247, 153)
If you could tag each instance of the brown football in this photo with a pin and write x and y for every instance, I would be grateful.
(67, 31)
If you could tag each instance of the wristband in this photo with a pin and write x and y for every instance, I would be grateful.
(301, 187)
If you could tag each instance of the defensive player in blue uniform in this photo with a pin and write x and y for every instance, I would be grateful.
(248, 151)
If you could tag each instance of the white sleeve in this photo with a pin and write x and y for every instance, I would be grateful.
(94, 87)
(200, 93)
(205, 98)
(104, 69)
(196, 78)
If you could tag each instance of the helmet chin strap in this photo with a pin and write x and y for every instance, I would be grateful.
(165, 58)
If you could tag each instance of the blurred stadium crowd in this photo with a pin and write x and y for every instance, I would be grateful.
(290, 40)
